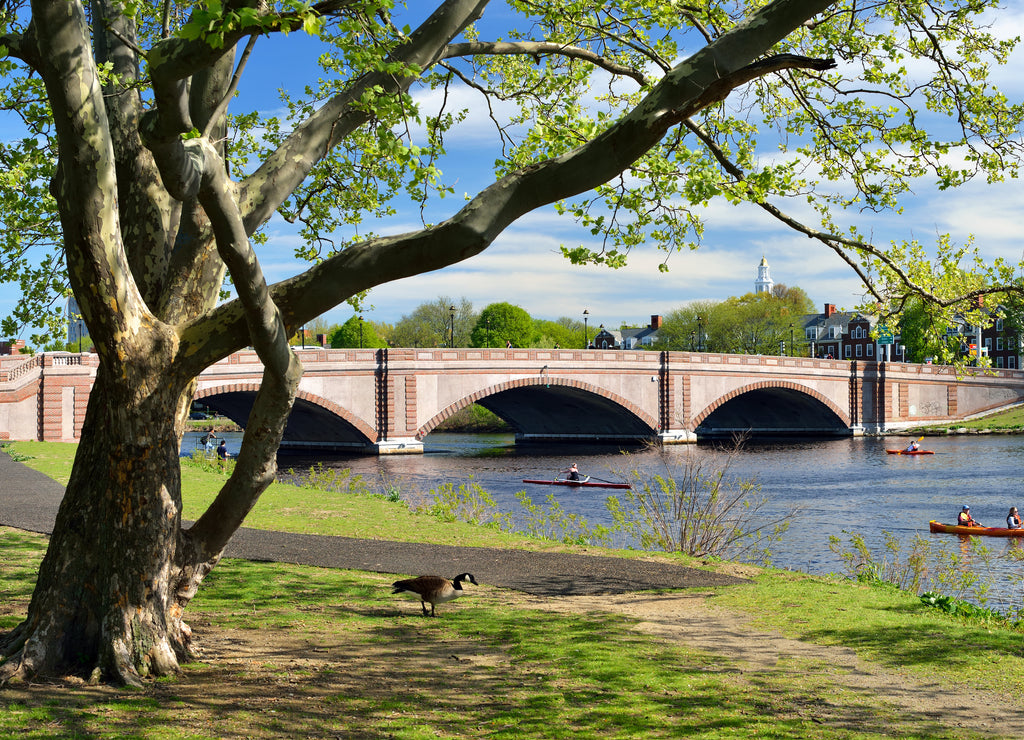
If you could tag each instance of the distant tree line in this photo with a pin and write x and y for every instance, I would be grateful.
(752, 324)
(448, 322)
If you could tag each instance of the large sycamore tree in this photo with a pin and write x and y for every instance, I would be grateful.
(144, 183)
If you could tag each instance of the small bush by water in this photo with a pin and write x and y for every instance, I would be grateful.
(959, 576)
(699, 510)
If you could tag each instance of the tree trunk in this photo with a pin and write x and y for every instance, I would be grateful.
(110, 598)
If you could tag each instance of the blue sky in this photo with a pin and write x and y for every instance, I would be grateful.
(524, 266)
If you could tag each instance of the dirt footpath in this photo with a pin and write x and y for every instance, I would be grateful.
(689, 619)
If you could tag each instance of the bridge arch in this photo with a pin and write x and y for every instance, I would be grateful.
(765, 407)
(314, 421)
(557, 409)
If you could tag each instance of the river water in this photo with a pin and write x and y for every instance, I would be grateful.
(845, 484)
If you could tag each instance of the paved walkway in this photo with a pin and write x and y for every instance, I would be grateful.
(29, 501)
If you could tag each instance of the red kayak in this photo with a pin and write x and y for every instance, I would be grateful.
(975, 531)
(582, 483)
(911, 452)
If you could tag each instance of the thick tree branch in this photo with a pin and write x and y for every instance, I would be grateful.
(282, 370)
(287, 167)
(701, 80)
(97, 265)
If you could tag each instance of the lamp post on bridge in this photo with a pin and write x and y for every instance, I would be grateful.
(451, 311)
(360, 332)
(791, 340)
(700, 334)
(586, 338)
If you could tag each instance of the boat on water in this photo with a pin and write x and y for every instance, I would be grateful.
(911, 452)
(935, 526)
(581, 483)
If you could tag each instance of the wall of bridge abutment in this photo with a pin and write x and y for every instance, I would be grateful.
(395, 397)
(44, 397)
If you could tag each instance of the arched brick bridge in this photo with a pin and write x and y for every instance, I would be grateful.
(387, 401)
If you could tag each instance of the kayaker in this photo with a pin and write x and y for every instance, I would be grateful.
(1012, 519)
(913, 447)
(965, 520)
(572, 472)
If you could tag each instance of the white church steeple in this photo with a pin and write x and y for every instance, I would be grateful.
(764, 282)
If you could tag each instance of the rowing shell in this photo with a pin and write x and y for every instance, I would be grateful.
(585, 483)
(975, 531)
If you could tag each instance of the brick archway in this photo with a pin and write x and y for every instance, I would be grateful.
(535, 382)
(771, 385)
(355, 422)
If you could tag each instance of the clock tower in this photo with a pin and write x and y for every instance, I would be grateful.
(764, 282)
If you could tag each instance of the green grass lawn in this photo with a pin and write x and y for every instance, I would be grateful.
(296, 651)
(1011, 420)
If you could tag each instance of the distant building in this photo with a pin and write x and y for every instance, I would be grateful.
(12, 348)
(1004, 346)
(77, 331)
(628, 338)
(764, 282)
(845, 335)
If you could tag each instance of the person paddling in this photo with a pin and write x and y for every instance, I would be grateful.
(572, 472)
(965, 520)
(1013, 519)
(913, 446)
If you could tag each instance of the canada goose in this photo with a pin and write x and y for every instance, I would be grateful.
(434, 589)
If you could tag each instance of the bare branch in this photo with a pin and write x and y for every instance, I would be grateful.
(537, 49)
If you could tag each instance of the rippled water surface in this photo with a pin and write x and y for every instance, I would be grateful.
(846, 484)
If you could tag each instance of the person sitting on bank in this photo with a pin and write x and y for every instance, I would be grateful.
(965, 519)
(573, 472)
(1013, 519)
(913, 447)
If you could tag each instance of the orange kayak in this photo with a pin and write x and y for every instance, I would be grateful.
(975, 531)
(911, 452)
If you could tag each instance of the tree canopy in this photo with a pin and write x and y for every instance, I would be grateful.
(502, 324)
(356, 332)
(430, 324)
(752, 324)
(144, 175)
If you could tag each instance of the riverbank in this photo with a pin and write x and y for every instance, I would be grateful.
(317, 652)
(1010, 421)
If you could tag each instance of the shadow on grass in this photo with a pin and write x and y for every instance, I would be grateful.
(304, 652)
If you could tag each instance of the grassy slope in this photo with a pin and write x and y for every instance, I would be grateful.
(1011, 420)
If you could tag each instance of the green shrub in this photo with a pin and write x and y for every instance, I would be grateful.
(554, 523)
(697, 509)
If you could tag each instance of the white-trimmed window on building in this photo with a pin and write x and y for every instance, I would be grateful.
(999, 324)
(848, 353)
(871, 350)
(999, 344)
(999, 361)
(1011, 362)
(859, 350)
